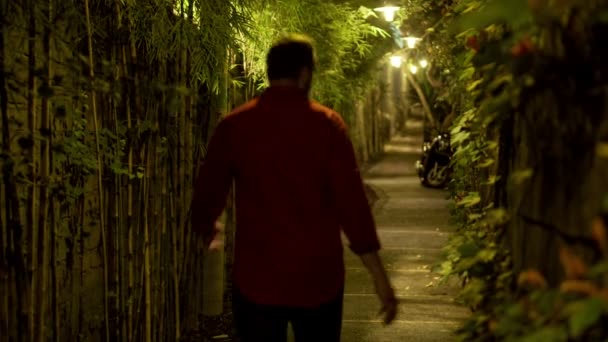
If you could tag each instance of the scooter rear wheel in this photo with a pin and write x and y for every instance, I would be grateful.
(436, 177)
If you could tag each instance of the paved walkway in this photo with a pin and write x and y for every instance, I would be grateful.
(413, 227)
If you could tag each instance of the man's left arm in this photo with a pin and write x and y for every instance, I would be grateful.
(212, 184)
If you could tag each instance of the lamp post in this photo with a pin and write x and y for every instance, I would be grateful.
(388, 11)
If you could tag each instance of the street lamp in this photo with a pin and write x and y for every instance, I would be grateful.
(396, 61)
(411, 41)
(388, 11)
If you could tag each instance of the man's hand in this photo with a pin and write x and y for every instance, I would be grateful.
(389, 302)
(213, 242)
(385, 292)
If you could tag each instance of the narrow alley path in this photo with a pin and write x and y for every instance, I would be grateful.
(413, 227)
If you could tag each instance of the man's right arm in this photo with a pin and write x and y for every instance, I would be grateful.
(355, 214)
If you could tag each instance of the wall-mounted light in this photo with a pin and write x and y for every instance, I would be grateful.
(388, 11)
(411, 41)
(413, 69)
(396, 61)
(424, 63)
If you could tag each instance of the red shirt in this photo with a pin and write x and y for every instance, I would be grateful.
(297, 184)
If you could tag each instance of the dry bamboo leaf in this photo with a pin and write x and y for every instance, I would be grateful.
(531, 278)
(579, 286)
(492, 325)
(573, 265)
(598, 232)
(602, 294)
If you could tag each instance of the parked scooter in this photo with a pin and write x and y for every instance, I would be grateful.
(434, 167)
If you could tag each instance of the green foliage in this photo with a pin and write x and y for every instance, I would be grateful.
(510, 61)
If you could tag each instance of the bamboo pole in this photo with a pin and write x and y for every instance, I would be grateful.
(11, 209)
(4, 275)
(166, 212)
(213, 266)
(132, 106)
(31, 197)
(118, 327)
(5, 249)
(156, 233)
(147, 277)
(43, 193)
(99, 173)
(55, 318)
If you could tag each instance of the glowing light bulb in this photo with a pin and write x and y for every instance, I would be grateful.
(411, 42)
(396, 61)
(413, 69)
(388, 12)
(424, 63)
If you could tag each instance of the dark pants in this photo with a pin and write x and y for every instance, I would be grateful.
(261, 323)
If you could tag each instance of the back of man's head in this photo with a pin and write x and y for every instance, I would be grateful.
(289, 56)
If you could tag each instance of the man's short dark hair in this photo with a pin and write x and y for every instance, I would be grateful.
(289, 55)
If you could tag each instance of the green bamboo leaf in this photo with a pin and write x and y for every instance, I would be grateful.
(487, 163)
(474, 85)
(470, 200)
(492, 180)
(518, 177)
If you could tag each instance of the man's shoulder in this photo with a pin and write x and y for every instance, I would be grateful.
(245, 108)
(331, 115)
(229, 120)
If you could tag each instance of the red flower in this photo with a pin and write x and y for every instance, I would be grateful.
(524, 46)
(472, 43)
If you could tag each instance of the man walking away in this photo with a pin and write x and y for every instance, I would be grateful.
(297, 186)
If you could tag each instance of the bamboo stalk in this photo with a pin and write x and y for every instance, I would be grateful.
(213, 279)
(49, 158)
(99, 173)
(31, 197)
(119, 327)
(174, 247)
(4, 229)
(147, 278)
(80, 234)
(155, 233)
(54, 287)
(11, 209)
(43, 192)
(4, 276)
(130, 217)
(116, 259)
(52, 211)
(54, 263)
(159, 255)
(118, 274)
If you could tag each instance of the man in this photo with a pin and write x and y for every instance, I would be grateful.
(297, 183)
